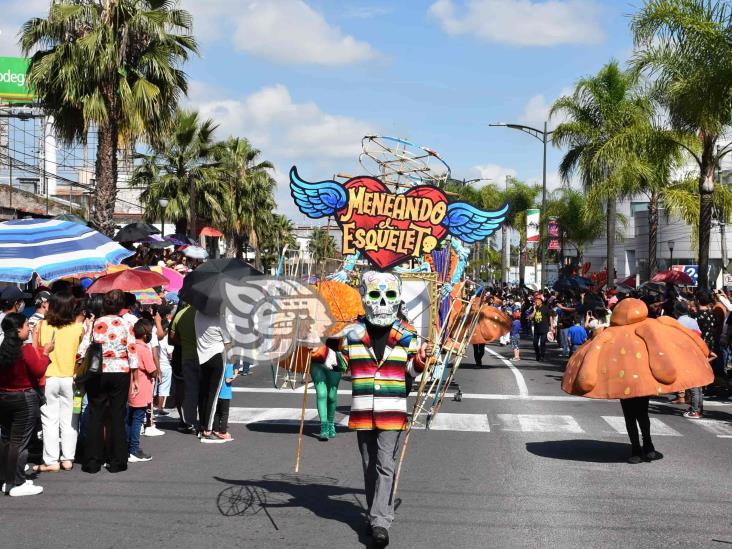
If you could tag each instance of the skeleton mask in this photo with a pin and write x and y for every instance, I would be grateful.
(381, 294)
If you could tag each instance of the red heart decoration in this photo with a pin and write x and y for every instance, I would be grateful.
(384, 259)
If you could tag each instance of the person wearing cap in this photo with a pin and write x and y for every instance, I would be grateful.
(11, 301)
(539, 317)
(41, 303)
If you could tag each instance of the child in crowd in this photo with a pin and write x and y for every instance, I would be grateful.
(221, 417)
(577, 334)
(516, 335)
(165, 351)
(141, 389)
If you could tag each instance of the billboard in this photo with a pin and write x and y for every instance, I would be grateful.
(532, 226)
(553, 234)
(12, 79)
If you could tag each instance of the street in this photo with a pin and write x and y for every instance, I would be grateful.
(511, 465)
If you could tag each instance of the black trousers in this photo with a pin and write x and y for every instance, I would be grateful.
(539, 344)
(19, 411)
(107, 394)
(212, 376)
(478, 351)
(635, 412)
(221, 417)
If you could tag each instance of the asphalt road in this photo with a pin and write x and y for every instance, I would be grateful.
(498, 469)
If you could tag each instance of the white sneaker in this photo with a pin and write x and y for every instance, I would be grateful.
(153, 432)
(4, 488)
(26, 489)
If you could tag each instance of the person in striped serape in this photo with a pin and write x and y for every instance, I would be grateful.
(380, 350)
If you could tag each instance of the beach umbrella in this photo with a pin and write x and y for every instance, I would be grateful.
(202, 289)
(195, 252)
(676, 277)
(129, 280)
(53, 249)
(148, 297)
(135, 232)
(175, 279)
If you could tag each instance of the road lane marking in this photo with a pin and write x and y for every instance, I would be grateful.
(539, 423)
(658, 427)
(723, 429)
(461, 422)
(520, 381)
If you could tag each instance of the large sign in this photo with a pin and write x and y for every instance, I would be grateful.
(553, 234)
(13, 85)
(389, 228)
(532, 226)
(691, 270)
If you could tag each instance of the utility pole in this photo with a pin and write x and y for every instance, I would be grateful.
(506, 247)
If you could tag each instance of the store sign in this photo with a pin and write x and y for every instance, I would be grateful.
(389, 228)
(13, 84)
(532, 226)
(691, 270)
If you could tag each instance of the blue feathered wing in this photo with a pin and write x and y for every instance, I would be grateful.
(319, 199)
(471, 224)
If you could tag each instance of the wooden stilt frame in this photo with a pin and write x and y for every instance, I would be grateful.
(298, 454)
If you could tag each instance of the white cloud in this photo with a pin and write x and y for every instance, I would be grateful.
(495, 174)
(536, 110)
(522, 22)
(272, 120)
(283, 31)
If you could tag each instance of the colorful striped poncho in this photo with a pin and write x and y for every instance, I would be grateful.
(378, 388)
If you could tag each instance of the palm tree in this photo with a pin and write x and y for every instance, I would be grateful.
(600, 136)
(113, 65)
(181, 168)
(685, 47)
(520, 197)
(277, 234)
(321, 245)
(249, 193)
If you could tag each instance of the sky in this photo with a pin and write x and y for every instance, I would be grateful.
(305, 80)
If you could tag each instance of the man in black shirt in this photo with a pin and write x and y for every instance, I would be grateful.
(539, 319)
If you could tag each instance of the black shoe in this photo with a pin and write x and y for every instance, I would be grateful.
(380, 536)
(635, 460)
(653, 455)
(367, 529)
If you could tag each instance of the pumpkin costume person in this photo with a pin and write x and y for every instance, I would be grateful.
(380, 350)
(635, 358)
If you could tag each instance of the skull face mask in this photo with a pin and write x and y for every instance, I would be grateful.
(381, 294)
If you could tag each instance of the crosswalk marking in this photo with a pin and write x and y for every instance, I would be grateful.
(658, 427)
(539, 423)
(480, 423)
(723, 429)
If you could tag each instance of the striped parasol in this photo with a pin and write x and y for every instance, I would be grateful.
(53, 249)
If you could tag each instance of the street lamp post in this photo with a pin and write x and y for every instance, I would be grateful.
(671, 252)
(543, 136)
(163, 204)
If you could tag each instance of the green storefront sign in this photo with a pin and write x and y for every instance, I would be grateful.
(13, 85)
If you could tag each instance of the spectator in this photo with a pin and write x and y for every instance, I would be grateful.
(183, 333)
(211, 344)
(165, 351)
(108, 391)
(41, 303)
(11, 301)
(22, 367)
(577, 334)
(141, 390)
(539, 318)
(221, 417)
(57, 414)
(516, 335)
(708, 326)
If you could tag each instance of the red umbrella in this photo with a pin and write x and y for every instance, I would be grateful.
(129, 280)
(676, 277)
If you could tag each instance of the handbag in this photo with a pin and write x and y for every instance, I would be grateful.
(91, 363)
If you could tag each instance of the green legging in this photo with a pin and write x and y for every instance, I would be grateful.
(326, 389)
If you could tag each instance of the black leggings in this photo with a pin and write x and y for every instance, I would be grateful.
(479, 351)
(212, 375)
(635, 412)
(221, 417)
(18, 413)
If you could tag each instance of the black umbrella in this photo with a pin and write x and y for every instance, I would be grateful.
(201, 287)
(134, 232)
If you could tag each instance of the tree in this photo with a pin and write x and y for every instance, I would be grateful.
(180, 167)
(276, 235)
(685, 47)
(321, 245)
(113, 65)
(600, 136)
(249, 193)
(520, 197)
